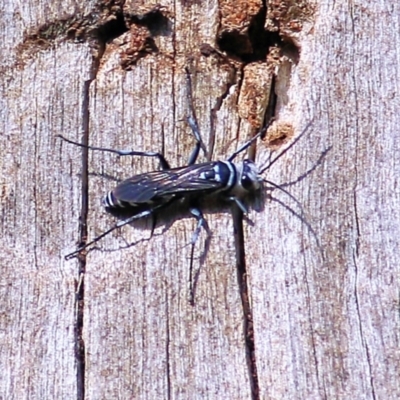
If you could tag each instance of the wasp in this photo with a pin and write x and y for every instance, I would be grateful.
(147, 194)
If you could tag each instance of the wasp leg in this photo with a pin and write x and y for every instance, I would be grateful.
(163, 162)
(239, 203)
(119, 224)
(192, 121)
(153, 223)
(201, 221)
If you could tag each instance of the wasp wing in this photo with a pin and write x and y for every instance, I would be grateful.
(163, 185)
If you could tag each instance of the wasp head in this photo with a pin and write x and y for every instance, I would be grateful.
(248, 178)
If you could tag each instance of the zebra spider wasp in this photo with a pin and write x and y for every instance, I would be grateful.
(147, 194)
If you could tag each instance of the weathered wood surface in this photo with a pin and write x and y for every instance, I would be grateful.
(323, 276)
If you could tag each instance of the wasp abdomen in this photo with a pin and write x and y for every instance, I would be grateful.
(110, 201)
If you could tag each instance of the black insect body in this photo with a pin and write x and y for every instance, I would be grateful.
(149, 193)
(162, 187)
(145, 194)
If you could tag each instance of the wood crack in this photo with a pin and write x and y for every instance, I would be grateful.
(83, 231)
(248, 326)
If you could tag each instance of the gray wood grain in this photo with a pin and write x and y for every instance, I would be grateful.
(326, 315)
(322, 270)
(38, 181)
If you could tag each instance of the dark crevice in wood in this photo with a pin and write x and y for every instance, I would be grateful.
(111, 29)
(80, 292)
(252, 44)
(98, 28)
(83, 231)
(104, 26)
(245, 297)
(217, 106)
(360, 327)
(269, 116)
(79, 343)
(248, 325)
(154, 20)
(167, 347)
(141, 39)
(272, 102)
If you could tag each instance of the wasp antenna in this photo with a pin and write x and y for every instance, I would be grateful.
(251, 141)
(276, 186)
(300, 216)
